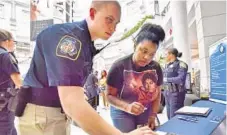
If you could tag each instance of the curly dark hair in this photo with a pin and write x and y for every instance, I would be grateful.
(148, 76)
(150, 32)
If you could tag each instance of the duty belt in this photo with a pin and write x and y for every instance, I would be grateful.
(41, 96)
(173, 87)
(5, 95)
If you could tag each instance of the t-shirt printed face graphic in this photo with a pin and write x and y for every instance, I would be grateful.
(142, 84)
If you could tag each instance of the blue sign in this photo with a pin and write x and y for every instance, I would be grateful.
(218, 72)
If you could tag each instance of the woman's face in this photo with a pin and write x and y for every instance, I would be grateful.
(11, 45)
(103, 73)
(144, 53)
(168, 56)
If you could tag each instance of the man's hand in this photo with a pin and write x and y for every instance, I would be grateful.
(142, 131)
(135, 108)
(151, 122)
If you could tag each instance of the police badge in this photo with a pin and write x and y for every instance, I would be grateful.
(68, 47)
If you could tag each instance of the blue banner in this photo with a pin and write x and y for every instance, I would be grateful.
(218, 72)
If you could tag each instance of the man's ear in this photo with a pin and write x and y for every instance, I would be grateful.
(92, 13)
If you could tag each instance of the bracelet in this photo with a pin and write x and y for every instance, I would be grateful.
(153, 114)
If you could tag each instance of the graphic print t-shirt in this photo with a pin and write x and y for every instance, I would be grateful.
(135, 84)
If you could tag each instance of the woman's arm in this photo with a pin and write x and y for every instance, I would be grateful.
(156, 102)
(134, 108)
(114, 100)
(16, 79)
(155, 108)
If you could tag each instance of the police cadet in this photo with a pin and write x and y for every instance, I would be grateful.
(61, 62)
(9, 79)
(174, 81)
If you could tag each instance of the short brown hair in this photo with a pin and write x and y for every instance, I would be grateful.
(98, 4)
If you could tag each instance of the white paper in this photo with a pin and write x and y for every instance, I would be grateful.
(193, 110)
(161, 133)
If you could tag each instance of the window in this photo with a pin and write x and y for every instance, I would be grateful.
(1, 11)
(67, 18)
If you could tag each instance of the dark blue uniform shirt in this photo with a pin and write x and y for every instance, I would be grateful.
(8, 66)
(62, 57)
(176, 72)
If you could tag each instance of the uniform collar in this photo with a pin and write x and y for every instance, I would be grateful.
(3, 48)
(87, 32)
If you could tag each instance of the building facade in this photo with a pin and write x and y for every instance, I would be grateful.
(192, 26)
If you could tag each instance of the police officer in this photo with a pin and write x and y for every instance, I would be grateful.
(174, 81)
(9, 78)
(92, 89)
(61, 62)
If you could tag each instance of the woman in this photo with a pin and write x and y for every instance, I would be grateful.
(9, 78)
(133, 82)
(102, 86)
(174, 81)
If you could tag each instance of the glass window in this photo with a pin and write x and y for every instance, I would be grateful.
(1, 11)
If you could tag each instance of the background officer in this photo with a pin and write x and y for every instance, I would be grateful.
(175, 73)
(92, 89)
(9, 78)
(61, 62)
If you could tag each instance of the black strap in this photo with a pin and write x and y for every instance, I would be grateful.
(99, 50)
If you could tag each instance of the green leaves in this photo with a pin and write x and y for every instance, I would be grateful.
(135, 28)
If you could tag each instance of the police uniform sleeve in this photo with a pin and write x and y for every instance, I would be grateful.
(64, 61)
(182, 72)
(115, 76)
(9, 64)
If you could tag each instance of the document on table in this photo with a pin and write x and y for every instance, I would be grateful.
(161, 133)
(164, 133)
(201, 111)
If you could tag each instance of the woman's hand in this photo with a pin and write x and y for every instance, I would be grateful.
(141, 131)
(135, 108)
(151, 122)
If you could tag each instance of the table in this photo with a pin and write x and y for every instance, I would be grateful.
(204, 126)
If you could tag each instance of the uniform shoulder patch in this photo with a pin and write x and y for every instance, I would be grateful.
(183, 65)
(69, 47)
